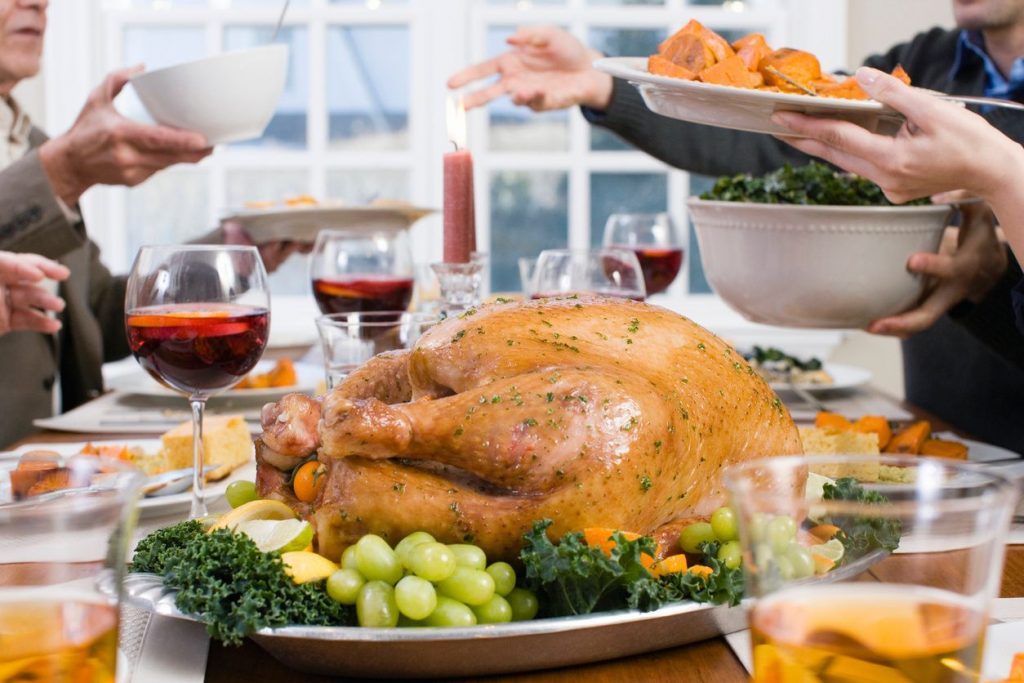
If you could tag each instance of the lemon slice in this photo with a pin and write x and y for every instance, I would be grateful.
(304, 566)
(830, 550)
(255, 509)
(284, 535)
(814, 489)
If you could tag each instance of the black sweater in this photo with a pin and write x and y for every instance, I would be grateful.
(968, 369)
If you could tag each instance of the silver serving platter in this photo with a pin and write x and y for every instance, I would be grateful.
(482, 650)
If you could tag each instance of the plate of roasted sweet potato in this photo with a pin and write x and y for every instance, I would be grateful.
(699, 76)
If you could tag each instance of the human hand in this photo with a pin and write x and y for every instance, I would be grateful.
(22, 301)
(104, 147)
(547, 68)
(273, 253)
(941, 146)
(967, 266)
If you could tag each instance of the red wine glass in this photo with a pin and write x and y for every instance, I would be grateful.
(197, 320)
(654, 239)
(355, 272)
(611, 272)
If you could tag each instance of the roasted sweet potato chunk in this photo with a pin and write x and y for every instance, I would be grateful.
(752, 48)
(730, 71)
(690, 52)
(847, 89)
(802, 67)
(659, 66)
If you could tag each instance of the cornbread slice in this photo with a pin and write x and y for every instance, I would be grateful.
(226, 443)
(828, 441)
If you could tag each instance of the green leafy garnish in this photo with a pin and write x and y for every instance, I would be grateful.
(573, 578)
(815, 183)
(224, 580)
(862, 535)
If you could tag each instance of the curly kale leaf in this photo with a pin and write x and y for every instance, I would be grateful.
(862, 535)
(234, 588)
(814, 183)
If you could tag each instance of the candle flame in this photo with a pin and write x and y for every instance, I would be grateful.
(456, 120)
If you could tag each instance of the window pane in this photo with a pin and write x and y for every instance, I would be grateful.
(157, 48)
(288, 127)
(364, 186)
(368, 87)
(529, 213)
(264, 185)
(625, 2)
(624, 193)
(518, 128)
(168, 208)
(525, 4)
(698, 283)
(632, 42)
(371, 4)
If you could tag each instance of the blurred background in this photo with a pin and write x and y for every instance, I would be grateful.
(362, 118)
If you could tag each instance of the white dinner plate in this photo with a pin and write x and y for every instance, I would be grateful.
(843, 377)
(304, 223)
(741, 108)
(150, 506)
(139, 382)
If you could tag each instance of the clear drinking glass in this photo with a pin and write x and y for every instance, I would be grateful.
(64, 532)
(354, 271)
(197, 319)
(654, 239)
(922, 613)
(612, 272)
(351, 339)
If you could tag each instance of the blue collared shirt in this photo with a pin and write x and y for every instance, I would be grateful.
(996, 85)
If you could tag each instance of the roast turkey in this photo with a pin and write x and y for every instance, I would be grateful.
(586, 411)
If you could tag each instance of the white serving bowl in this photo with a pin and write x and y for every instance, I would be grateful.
(227, 97)
(815, 266)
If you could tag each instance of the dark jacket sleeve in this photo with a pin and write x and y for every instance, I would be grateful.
(106, 299)
(690, 146)
(31, 220)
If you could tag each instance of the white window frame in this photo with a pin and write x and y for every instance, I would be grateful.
(80, 29)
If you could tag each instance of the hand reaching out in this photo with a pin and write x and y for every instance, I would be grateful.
(547, 68)
(273, 253)
(22, 300)
(104, 147)
(966, 267)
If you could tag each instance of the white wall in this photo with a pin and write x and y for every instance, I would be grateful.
(876, 25)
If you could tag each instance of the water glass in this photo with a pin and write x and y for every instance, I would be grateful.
(351, 339)
(934, 546)
(64, 533)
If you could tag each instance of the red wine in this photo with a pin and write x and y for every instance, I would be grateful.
(197, 347)
(660, 266)
(362, 293)
(562, 295)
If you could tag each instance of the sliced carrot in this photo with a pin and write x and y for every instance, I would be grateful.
(601, 537)
(825, 531)
(944, 449)
(701, 570)
(834, 420)
(908, 441)
(673, 564)
(876, 424)
(822, 565)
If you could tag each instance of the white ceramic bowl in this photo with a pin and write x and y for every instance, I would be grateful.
(227, 97)
(815, 266)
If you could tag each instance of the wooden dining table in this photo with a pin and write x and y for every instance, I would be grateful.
(709, 661)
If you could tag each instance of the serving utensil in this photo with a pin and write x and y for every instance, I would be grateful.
(174, 481)
(280, 20)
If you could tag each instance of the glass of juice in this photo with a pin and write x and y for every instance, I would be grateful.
(350, 339)
(353, 271)
(65, 525)
(868, 568)
(197, 319)
(654, 238)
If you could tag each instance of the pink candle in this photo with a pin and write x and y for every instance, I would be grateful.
(459, 219)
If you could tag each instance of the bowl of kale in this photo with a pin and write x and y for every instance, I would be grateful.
(812, 247)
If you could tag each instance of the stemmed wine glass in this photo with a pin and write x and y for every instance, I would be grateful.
(197, 319)
(612, 272)
(354, 271)
(655, 241)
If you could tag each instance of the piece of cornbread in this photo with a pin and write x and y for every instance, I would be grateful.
(828, 441)
(226, 443)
